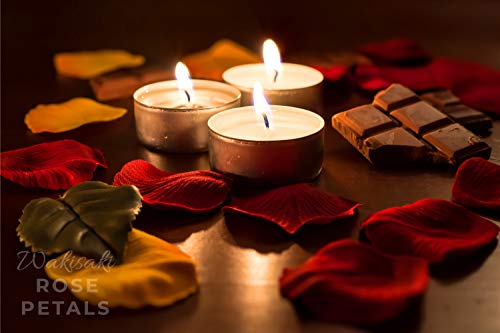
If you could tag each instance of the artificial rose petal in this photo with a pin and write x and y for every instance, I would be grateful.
(54, 165)
(477, 184)
(56, 118)
(153, 272)
(431, 229)
(475, 85)
(223, 54)
(395, 51)
(198, 191)
(88, 64)
(333, 73)
(292, 206)
(351, 282)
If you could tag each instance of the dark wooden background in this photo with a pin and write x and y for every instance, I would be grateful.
(239, 261)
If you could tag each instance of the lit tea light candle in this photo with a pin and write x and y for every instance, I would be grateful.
(267, 144)
(283, 83)
(172, 116)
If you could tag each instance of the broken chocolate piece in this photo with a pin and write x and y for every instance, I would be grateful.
(457, 143)
(125, 82)
(393, 147)
(394, 97)
(435, 139)
(449, 104)
(421, 117)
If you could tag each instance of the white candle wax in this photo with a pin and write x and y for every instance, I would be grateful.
(297, 85)
(287, 123)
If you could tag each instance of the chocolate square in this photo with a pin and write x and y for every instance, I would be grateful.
(421, 117)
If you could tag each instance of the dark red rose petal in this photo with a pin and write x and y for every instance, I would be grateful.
(477, 184)
(431, 229)
(476, 86)
(195, 191)
(373, 77)
(395, 51)
(54, 165)
(351, 282)
(292, 206)
(333, 73)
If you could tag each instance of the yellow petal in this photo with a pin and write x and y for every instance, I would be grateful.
(153, 272)
(224, 54)
(88, 64)
(66, 116)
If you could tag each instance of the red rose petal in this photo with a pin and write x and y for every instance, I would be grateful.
(476, 86)
(53, 165)
(196, 191)
(292, 206)
(333, 73)
(395, 51)
(431, 229)
(351, 282)
(477, 184)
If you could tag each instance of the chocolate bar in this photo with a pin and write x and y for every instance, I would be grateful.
(450, 105)
(123, 83)
(400, 128)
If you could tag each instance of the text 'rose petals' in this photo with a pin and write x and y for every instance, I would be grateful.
(431, 229)
(292, 206)
(477, 184)
(195, 191)
(351, 282)
(54, 165)
(88, 64)
(153, 272)
(56, 118)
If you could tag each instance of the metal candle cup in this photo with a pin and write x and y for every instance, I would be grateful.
(290, 151)
(164, 123)
(298, 85)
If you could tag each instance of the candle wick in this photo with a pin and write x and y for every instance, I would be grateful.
(275, 75)
(266, 120)
(187, 95)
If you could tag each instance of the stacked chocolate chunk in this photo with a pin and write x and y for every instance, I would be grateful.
(400, 128)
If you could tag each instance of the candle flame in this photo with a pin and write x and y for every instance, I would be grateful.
(272, 59)
(184, 82)
(261, 107)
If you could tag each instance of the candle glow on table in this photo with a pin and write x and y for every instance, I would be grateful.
(288, 149)
(172, 116)
(283, 83)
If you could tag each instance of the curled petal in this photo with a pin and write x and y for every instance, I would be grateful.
(54, 165)
(56, 118)
(431, 229)
(351, 282)
(153, 272)
(88, 64)
(292, 206)
(477, 184)
(223, 54)
(198, 191)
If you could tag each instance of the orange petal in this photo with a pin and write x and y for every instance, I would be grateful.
(153, 272)
(88, 64)
(223, 54)
(66, 116)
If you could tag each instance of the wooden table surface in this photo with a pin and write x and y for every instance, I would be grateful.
(239, 262)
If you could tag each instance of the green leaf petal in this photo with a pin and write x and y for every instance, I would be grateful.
(91, 219)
